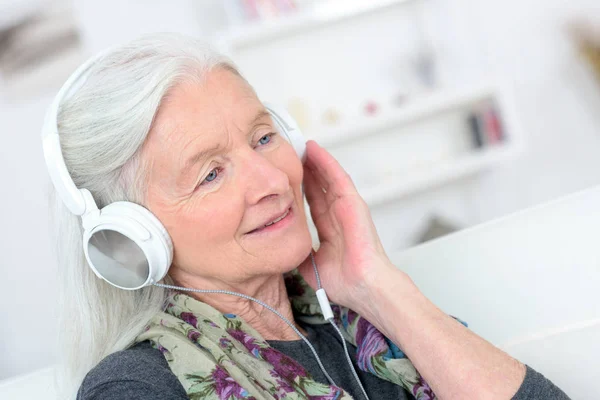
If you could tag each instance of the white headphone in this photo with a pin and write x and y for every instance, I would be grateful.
(124, 243)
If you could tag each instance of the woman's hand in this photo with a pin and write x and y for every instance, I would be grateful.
(356, 273)
(350, 254)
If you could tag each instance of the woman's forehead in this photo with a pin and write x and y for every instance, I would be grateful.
(222, 101)
(198, 117)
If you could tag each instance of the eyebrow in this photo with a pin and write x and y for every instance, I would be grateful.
(197, 157)
(206, 152)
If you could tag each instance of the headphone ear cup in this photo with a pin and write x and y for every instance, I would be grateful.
(127, 246)
(298, 140)
(148, 219)
(288, 128)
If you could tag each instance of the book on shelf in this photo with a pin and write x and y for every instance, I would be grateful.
(485, 126)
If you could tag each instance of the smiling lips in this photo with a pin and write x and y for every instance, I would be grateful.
(274, 221)
(280, 218)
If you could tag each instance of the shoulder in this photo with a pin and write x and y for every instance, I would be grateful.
(140, 372)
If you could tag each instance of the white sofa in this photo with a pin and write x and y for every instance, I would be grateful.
(527, 282)
(38, 384)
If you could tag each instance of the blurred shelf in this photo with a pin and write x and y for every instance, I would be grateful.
(412, 182)
(407, 182)
(323, 13)
(414, 110)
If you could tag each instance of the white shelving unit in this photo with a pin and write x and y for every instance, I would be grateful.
(415, 109)
(406, 185)
(323, 13)
(253, 36)
(423, 108)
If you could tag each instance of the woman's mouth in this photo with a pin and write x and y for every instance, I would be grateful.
(277, 225)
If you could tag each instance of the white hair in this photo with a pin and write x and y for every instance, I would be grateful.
(102, 128)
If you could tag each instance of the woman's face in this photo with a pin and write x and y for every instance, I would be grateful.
(218, 170)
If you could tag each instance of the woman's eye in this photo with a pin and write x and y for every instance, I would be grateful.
(265, 139)
(212, 175)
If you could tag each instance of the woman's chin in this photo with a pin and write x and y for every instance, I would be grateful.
(295, 253)
(304, 249)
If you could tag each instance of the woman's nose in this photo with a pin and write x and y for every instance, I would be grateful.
(263, 178)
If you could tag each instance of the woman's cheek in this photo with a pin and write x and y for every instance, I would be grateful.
(290, 162)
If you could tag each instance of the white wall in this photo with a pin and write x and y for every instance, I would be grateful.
(28, 295)
(520, 40)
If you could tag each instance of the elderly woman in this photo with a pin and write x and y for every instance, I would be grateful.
(167, 123)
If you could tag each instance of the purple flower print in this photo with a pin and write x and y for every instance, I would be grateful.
(248, 341)
(286, 367)
(346, 317)
(189, 318)
(423, 387)
(337, 313)
(193, 335)
(282, 386)
(369, 342)
(226, 387)
(335, 308)
(351, 316)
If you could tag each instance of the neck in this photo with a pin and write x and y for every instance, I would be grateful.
(270, 290)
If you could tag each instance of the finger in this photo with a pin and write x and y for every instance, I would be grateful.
(316, 175)
(314, 194)
(322, 186)
(318, 207)
(328, 171)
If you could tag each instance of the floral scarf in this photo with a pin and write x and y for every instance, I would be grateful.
(219, 356)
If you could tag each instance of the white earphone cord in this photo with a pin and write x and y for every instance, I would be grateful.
(324, 308)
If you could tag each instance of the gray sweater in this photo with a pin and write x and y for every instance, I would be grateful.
(141, 372)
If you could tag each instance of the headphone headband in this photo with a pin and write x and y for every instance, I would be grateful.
(73, 197)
